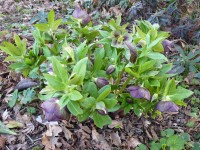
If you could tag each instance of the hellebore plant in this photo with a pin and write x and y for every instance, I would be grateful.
(96, 70)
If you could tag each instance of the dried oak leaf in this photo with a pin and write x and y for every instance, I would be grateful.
(116, 139)
(2, 143)
(133, 142)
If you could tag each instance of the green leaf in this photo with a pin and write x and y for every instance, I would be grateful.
(88, 102)
(156, 55)
(69, 50)
(185, 136)
(81, 50)
(181, 94)
(63, 101)
(20, 44)
(101, 120)
(167, 133)
(54, 82)
(51, 16)
(4, 49)
(155, 42)
(11, 49)
(42, 27)
(175, 142)
(147, 66)
(75, 95)
(196, 146)
(105, 34)
(129, 71)
(14, 58)
(141, 147)
(78, 73)
(158, 47)
(169, 87)
(84, 116)
(100, 105)
(5, 130)
(110, 102)
(91, 88)
(74, 108)
(56, 24)
(154, 82)
(13, 99)
(103, 92)
(59, 70)
(165, 68)
(155, 146)
(28, 95)
(99, 54)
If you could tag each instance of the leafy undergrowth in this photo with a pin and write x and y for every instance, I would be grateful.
(93, 76)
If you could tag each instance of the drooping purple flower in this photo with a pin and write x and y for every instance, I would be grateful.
(81, 14)
(166, 106)
(110, 69)
(52, 110)
(133, 52)
(139, 92)
(101, 82)
(167, 45)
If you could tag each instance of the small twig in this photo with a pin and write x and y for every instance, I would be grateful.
(37, 139)
(7, 148)
(32, 141)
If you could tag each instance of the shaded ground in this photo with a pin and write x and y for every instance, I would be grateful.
(34, 132)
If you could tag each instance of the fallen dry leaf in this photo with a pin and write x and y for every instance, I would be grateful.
(155, 137)
(53, 130)
(67, 133)
(116, 10)
(115, 139)
(29, 128)
(5, 115)
(14, 124)
(98, 138)
(2, 143)
(133, 142)
(116, 124)
(51, 143)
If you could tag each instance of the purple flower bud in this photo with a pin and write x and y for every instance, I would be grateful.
(81, 14)
(166, 106)
(167, 45)
(133, 52)
(110, 69)
(139, 92)
(101, 82)
(53, 112)
(102, 112)
(130, 101)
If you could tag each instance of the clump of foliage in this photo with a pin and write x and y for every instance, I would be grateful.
(173, 141)
(186, 60)
(93, 70)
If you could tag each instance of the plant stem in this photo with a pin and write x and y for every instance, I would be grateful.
(124, 85)
(120, 76)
